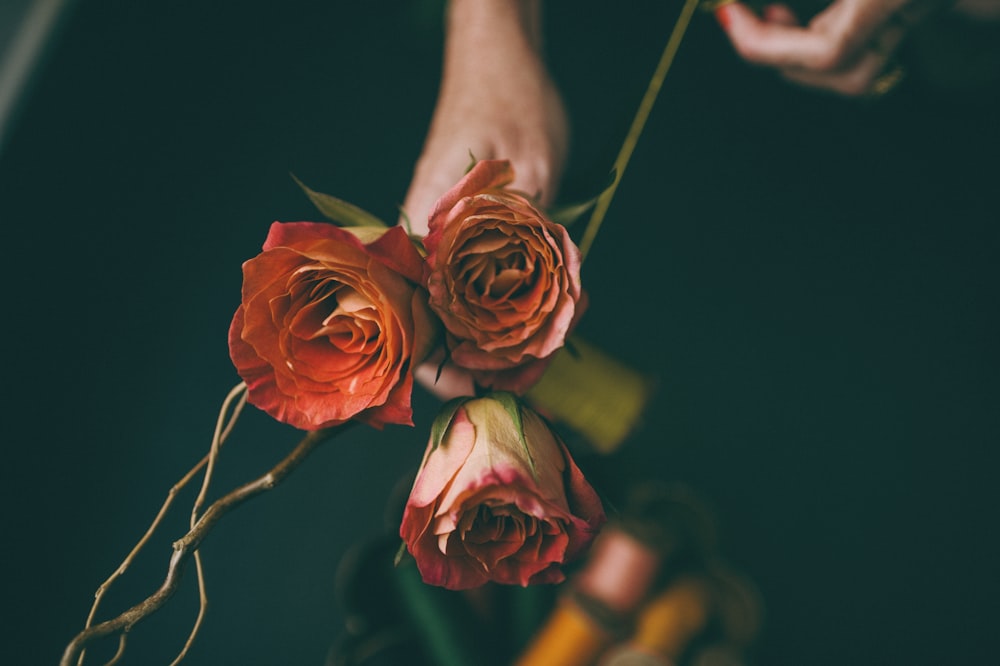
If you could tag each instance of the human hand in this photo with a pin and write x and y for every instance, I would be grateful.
(848, 48)
(497, 101)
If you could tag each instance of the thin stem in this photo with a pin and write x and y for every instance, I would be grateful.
(213, 456)
(238, 390)
(121, 650)
(632, 138)
(186, 545)
(202, 608)
(213, 452)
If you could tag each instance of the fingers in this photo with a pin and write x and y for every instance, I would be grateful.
(843, 49)
(856, 79)
(533, 176)
(780, 14)
(779, 44)
(434, 175)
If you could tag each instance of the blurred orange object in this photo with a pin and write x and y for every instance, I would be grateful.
(572, 636)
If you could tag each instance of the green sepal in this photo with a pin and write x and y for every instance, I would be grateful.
(406, 221)
(443, 421)
(567, 214)
(400, 554)
(512, 405)
(343, 213)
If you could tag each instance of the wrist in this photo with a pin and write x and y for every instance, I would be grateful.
(472, 21)
(486, 37)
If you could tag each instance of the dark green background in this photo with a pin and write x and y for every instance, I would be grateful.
(813, 280)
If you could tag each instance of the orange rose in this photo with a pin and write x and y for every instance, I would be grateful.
(503, 278)
(330, 327)
(497, 498)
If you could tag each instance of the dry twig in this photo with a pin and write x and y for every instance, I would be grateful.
(185, 546)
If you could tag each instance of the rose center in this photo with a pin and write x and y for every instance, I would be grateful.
(491, 533)
(334, 312)
(503, 273)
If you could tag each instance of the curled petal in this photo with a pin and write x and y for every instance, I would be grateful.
(495, 501)
(503, 278)
(330, 326)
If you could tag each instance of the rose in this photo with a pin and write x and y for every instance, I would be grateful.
(503, 278)
(497, 498)
(330, 325)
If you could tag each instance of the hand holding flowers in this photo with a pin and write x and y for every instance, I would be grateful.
(333, 324)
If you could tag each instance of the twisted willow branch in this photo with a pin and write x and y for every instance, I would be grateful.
(224, 426)
(186, 545)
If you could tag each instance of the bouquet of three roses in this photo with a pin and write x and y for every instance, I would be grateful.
(336, 318)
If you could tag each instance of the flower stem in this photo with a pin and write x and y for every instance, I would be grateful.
(632, 138)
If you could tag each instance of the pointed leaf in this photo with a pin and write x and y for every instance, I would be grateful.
(343, 213)
(567, 214)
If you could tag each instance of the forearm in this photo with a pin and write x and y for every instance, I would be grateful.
(485, 38)
(469, 24)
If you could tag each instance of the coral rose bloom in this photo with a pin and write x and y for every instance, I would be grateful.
(503, 278)
(491, 505)
(330, 327)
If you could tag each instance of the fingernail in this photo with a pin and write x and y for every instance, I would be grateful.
(722, 16)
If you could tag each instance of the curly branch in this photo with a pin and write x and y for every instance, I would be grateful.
(223, 428)
(186, 545)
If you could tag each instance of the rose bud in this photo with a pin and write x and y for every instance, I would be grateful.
(330, 326)
(503, 278)
(497, 498)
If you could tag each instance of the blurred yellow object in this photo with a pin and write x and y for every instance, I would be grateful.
(593, 393)
(570, 637)
(671, 620)
(625, 655)
(666, 626)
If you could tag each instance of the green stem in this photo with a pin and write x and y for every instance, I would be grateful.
(632, 138)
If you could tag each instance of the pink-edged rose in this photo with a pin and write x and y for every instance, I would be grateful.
(330, 325)
(497, 498)
(503, 278)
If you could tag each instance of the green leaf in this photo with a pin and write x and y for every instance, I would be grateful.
(512, 405)
(567, 214)
(343, 213)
